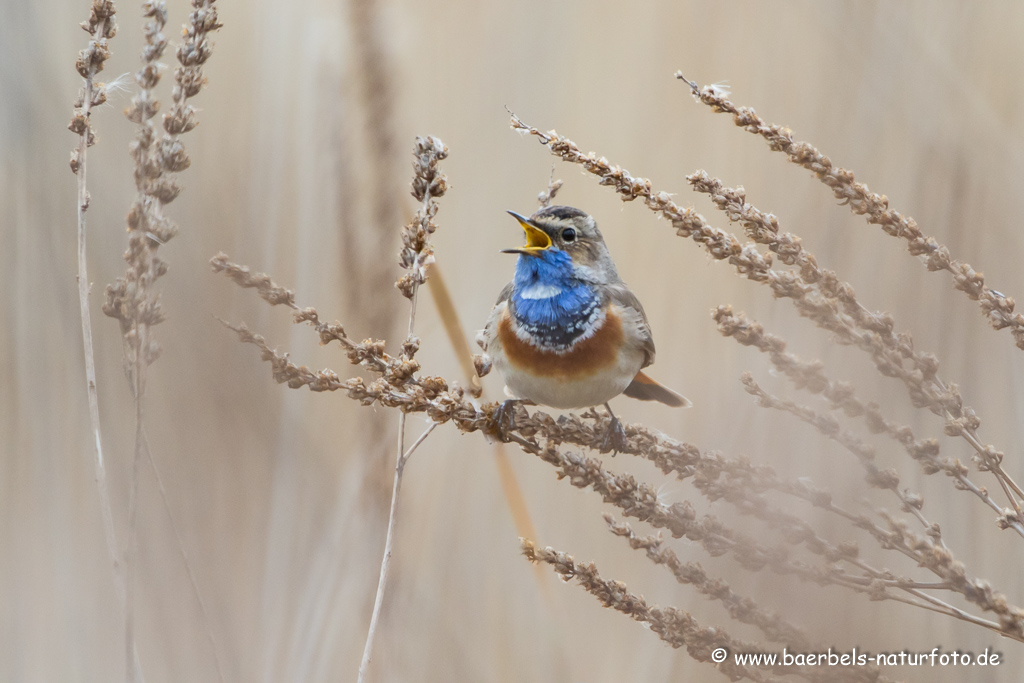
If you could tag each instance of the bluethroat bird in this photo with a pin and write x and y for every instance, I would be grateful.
(567, 332)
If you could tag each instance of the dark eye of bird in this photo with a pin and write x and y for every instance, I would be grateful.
(569, 235)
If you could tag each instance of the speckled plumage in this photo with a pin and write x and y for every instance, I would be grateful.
(549, 304)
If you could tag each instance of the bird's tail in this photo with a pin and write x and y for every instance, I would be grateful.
(646, 389)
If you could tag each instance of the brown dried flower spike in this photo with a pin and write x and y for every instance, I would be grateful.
(101, 28)
(428, 183)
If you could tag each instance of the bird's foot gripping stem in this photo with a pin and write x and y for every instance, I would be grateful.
(615, 437)
(504, 418)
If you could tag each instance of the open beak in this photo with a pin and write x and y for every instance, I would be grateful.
(536, 239)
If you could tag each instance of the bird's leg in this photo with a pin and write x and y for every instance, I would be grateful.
(505, 415)
(615, 437)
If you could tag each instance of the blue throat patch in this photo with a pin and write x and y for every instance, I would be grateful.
(556, 320)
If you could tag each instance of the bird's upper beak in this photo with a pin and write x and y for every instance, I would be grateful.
(536, 239)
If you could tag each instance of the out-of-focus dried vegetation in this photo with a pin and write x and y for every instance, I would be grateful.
(870, 510)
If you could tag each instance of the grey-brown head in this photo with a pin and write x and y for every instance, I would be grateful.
(573, 231)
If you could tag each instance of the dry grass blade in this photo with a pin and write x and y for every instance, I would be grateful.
(180, 541)
(514, 495)
(453, 328)
(457, 338)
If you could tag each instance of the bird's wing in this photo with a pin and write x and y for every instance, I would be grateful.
(505, 295)
(483, 339)
(620, 295)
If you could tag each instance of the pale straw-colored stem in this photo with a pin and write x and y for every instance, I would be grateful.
(90, 359)
(84, 287)
(133, 674)
(401, 455)
(943, 607)
(385, 563)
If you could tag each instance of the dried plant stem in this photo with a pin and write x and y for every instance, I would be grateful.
(740, 607)
(829, 427)
(791, 547)
(674, 626)
(90, 376)
(133, 504)
(457, 337)
(547, 196)
(385, 563)
(829, 303)
(453, 327)
(810, 377)
(714, 476)
(929, 389)
(133, 299)
(415, 256)
(996, 306)
(942, 607)
(100, 26)
(83, 300)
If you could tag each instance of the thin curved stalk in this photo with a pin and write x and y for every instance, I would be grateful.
(385, 563)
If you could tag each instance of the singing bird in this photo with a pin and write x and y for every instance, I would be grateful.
(567, 332)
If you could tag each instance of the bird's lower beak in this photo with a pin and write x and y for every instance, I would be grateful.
(536, 239)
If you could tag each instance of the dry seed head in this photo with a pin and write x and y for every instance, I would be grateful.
(101, 28)
(269, 291)
(99, 95)
(132, 299)
(91, 59)
(428, 183)
(426, 178)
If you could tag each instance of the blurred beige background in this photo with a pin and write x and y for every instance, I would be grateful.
(300, 168)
